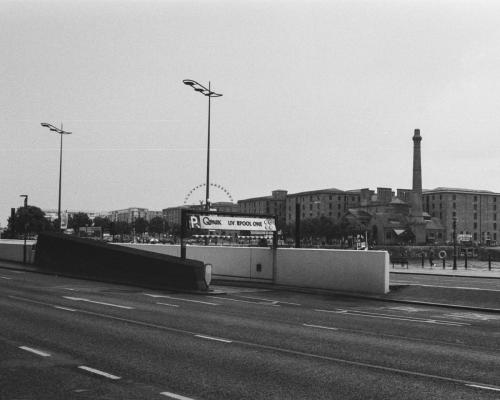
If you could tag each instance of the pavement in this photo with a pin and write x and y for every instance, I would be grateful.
(452, 294)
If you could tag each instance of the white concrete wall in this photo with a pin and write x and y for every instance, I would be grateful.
(12, 250)
(239, 263)
(341, 270)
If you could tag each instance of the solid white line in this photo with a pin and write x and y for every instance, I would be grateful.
(385, 316)
(321, 327)
(64, 308)
(4, 277)
(452, 287)
(249, 302)
(97, 302)
(175, 396)
(275, 301)
(485, 387)
(214, 338)
(181, 299)
(170, 305)
(38, 352)
(97, 372)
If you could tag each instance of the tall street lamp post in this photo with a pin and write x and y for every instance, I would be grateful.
(61, 132)
(454, 242)
(25, 224)
(208, 93)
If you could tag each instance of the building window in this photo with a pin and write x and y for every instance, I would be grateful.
(495, 226)
(475, 225)
(330, 197)
(330, 206)
(454, 214)
(475, 198)
(494, 217)
(454, 197)
(494, 207)
(475, 215)
(475, 207)
(475, 236)
(338, 215)
(388, 235)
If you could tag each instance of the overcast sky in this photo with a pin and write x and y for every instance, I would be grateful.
(316, 94)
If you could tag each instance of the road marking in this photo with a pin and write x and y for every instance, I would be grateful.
(278, 349)
(249, 302)
(65, 308)
(5, 277)
(321, 327)
(386, 316)
(449, 287)
(35, 351)
(181, 299)
(214, 338)
(97, 372)
(485, 387)
(175, 396)
(170, 305)
(97, 302)
(272, 301)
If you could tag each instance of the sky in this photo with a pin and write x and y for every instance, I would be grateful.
(316, 94)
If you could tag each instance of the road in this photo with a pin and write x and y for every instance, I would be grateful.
(64, 338)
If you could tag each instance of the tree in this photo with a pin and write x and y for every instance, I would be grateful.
(30, 220)
(79, 220)
(140, 225)
(157, 225)
(103, 222)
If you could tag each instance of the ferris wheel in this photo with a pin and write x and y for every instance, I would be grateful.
(212, 185)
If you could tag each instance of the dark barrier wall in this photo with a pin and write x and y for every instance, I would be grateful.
(87, 258)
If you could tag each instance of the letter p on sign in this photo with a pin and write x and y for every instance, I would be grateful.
(194, 222)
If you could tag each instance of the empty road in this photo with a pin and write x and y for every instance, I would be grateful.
(64, 338)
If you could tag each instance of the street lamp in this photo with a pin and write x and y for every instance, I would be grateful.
(61, 132)
(208, 93)
(454, 242)
(25, 224)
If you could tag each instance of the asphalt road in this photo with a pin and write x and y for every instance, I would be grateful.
(64, 338)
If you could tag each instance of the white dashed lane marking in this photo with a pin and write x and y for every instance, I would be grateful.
(98, 372)
(35, 351)
(180, 299)
(175, 396)
(97, 302)
(214, 338)
(167, 304)
(321, 327)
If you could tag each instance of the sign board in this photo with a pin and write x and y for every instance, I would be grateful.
(92, 232)
(464, 237)
(231, 223)
(64, 220)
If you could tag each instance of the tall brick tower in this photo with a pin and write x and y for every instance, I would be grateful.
(417, 222)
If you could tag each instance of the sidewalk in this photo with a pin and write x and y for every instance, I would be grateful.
(474, 270)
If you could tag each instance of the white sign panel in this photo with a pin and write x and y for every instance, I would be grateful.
(64, 220)
(230, 223)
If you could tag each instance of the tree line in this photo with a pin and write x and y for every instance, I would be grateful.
(32, 220)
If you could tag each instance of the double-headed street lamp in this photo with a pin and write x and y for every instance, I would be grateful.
(61, 132)
(208, 93)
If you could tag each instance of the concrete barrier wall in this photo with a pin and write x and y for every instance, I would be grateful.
(239, 263)
(342, 270)
(12, 250)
